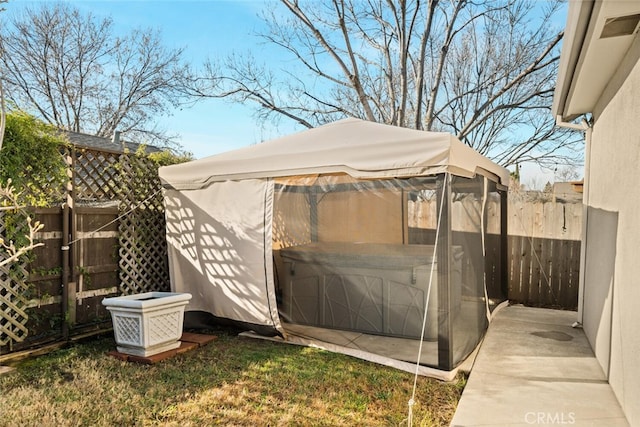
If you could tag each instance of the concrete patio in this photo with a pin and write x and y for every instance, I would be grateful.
(534, 368)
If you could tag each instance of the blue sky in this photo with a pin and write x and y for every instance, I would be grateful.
(212, 28)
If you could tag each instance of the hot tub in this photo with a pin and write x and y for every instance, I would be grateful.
(369, 288)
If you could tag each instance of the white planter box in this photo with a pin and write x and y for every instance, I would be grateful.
(149, 323)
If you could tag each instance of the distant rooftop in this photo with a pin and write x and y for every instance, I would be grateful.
(100, 143)
(568, 191)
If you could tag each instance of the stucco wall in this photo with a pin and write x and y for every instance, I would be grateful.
(612, 271)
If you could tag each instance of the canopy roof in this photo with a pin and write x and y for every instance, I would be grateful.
(357, 147)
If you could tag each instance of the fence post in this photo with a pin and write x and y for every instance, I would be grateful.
(66, 213)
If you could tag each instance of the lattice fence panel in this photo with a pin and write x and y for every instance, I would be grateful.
(96, 176)
(46, 190)
(143, 247)
(13, 296)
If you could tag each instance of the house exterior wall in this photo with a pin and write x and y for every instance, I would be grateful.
(612, 270)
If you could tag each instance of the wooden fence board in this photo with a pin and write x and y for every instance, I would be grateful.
(514, 268)
(525, 262)
(561, 271)
(536, 285)
(554, 291)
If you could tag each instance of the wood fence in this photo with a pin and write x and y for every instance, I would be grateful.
(94, 277)
(544, 252)
(106, 239)
(543, 247)
(544, 272)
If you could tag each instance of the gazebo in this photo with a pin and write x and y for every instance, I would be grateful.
(381, 242)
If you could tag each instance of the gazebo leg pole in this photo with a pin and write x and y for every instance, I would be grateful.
(443, 256)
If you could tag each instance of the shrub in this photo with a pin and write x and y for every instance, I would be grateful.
(31, 158)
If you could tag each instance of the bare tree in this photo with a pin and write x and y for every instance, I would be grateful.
(3, 113)
(70, 69)
(483, 70)
(566, 174)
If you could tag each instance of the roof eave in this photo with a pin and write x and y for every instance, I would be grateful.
(578, 18)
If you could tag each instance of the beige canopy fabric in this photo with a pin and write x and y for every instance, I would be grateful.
(359, 148)
(219, 247)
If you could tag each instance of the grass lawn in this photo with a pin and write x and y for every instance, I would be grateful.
(231, 381)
